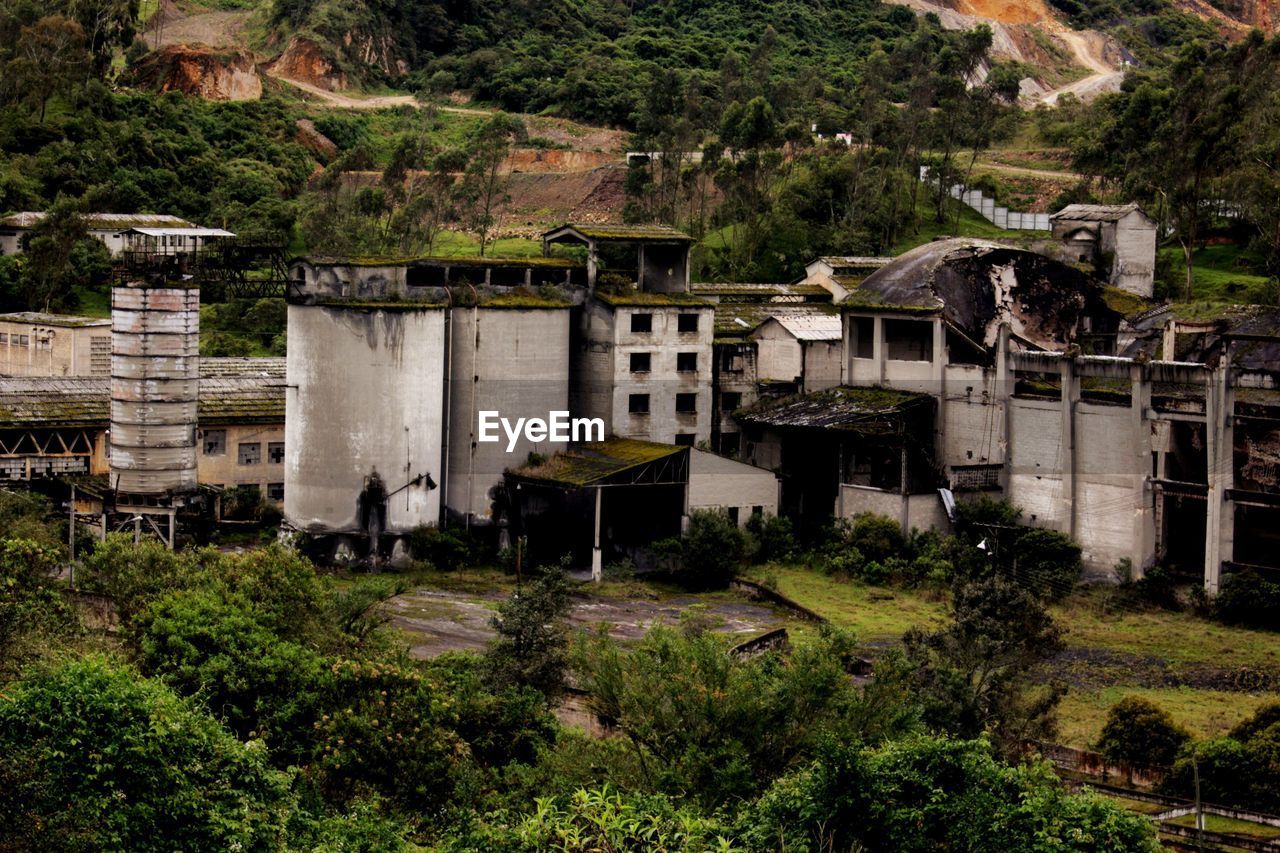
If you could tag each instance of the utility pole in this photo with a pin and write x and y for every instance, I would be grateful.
(1195, 771)
(71, 536)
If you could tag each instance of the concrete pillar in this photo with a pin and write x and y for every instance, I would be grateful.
(1219, 451)
(1144, 536)
(1070, 396)
(597, 560)
(878, 348)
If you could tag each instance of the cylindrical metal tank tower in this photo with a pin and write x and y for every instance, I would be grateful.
(155, 379)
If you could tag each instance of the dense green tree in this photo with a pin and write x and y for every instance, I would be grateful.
(531, 647)
(1141, 732)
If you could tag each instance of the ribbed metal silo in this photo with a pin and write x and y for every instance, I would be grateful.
(155, 378)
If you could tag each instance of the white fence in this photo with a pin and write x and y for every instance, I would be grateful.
(1001, 217)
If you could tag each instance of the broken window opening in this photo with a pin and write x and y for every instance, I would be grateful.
(687, 362)
(687, 323)
(215, 442)
(275, 452)
(686, 404)
(908, 340)
(638, 404)
(642, 323)
(640, 362)
(251, 453)
(863, 331)
(685, 439)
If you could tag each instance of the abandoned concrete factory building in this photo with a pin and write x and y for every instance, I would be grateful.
(896, 386)
(963, 367)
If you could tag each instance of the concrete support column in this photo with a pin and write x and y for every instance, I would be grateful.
(940, 387)
(1002, 395)
(1142, 553)
(878, 350)
(1070, 397)
(597, 561)
(1219, 451)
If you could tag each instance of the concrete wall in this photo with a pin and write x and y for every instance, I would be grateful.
(514, 362)
(604, 382)
(908, 375)
(719, 483)
(365, 393)
(1133, 241)
(54, 350)
(225, 469)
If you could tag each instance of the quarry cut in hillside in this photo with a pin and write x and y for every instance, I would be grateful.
(226, 74)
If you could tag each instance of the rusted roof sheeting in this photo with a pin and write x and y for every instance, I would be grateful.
(841, 408)
(254, 395)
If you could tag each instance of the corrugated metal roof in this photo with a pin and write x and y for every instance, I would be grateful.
(182, 232)
(741, 318)
(619, 233)
(816, 327)
(38, 318)
(837, 408)
(232, 390)
(1097, 212)
(727, 291)
(856, 261)
(103, 221)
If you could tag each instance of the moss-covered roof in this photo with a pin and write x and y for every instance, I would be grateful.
(618, 233)
(639, 299)
(591, 463)
(468, 261)
(382, 304)
(763, 292)
(37, 318)
(232, 391)
(524, 299)
(738, 319)
(1123, 302)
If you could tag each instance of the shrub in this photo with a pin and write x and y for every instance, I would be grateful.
(441, 547)
(93, 757)
(878, 537)
(1248, 598)
(1140, 732)
(217, 649)
(30, 604)
(711, 550)
(929, 793)
(531, 646)
(132, 575)
(774, 538)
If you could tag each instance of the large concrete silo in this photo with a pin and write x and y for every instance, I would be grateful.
(155, 379)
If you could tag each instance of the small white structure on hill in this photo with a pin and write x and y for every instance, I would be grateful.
(1120, 239)
(111, 228)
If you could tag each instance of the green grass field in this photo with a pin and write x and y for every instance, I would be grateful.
(1128, 649)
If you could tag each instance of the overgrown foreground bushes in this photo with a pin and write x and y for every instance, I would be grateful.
(248, 702)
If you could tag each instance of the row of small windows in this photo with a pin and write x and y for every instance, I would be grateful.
(686, 362)
(16, 340)
(275, 491)
(643, 323)
(249, 452)
(686, 404)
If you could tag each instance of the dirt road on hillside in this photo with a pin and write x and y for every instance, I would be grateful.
(169, 26)
(1087, 49)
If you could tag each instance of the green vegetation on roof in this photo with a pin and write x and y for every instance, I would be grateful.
(1123, 302)
(623, 233)
(589, 463)
(381, 304)
(639, 299)
(524, 299)
(473, 261)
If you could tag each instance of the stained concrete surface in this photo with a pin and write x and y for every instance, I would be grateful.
(437, 621)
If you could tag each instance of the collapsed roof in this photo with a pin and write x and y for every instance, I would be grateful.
(977, 285)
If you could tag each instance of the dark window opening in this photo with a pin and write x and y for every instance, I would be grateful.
(640, 362)
(687, 323)
(425, 276)
(642, 322)
(730, 401)
(275, 452)
(730, 443)
(733, 514)
(686, 403)
(215, 442)
(863, 330)
(757, 510)
(908, 340)
(638, 404)
(685, 439)
(275, 491)
(687, 362)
